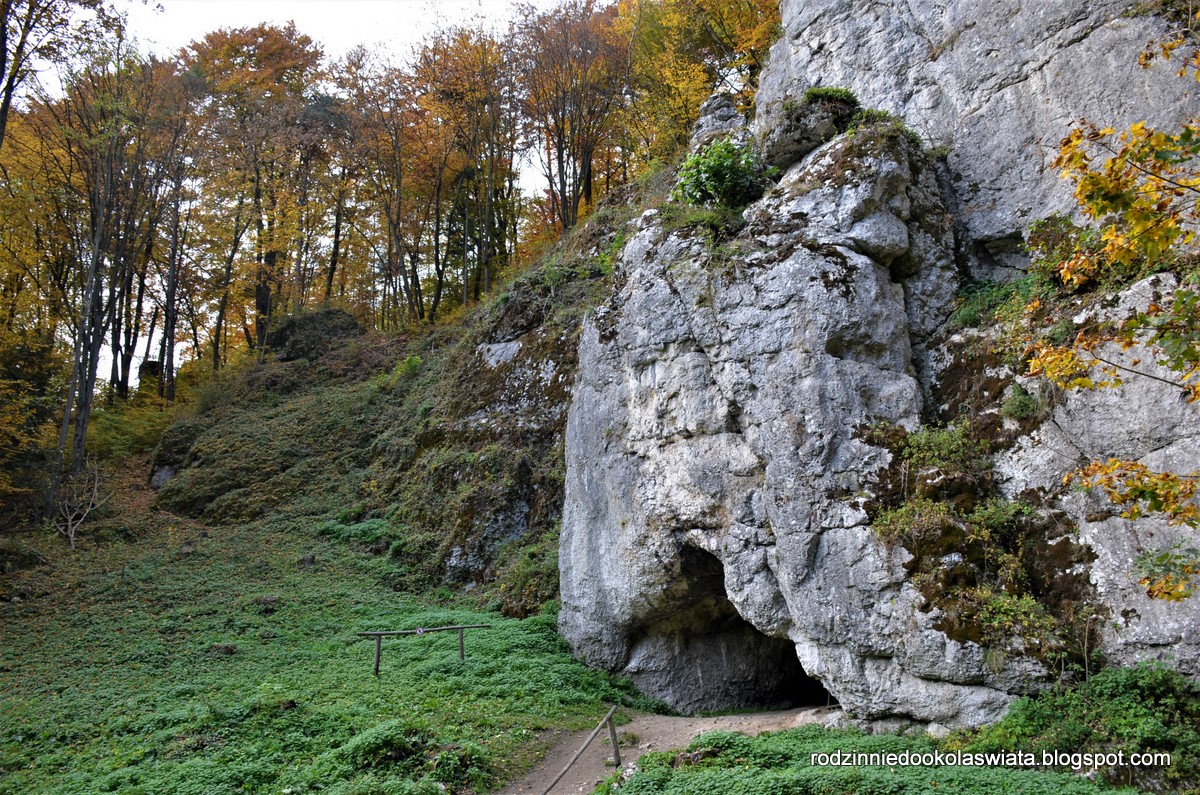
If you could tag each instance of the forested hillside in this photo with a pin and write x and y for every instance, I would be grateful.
(172, 211)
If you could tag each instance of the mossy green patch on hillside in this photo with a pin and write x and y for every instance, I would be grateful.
(225, 660)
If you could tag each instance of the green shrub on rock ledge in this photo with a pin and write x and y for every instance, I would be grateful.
(818, 94)
(723, 173)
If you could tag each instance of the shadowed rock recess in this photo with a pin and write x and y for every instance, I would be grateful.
(715, 545)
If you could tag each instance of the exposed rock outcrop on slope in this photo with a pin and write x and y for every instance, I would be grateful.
(716, 430)
(718, 460)
(996, 84)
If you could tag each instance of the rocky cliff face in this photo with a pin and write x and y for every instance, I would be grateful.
(716, 542)
(996, 84)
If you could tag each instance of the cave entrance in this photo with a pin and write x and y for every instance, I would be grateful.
(710, 658)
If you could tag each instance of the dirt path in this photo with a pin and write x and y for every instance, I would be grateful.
(641, 735)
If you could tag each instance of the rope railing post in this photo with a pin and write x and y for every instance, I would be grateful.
(606, 719)
(612, 738)
(378, 652)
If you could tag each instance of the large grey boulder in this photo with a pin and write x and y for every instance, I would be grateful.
(715, 546)
(997, 84)
(715, 436)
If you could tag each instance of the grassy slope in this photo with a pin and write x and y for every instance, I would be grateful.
(118, 677)
(411, 446)
(195, 652)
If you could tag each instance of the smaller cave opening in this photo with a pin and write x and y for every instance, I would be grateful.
(701, 655)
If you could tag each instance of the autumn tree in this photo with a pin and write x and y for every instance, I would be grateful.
(435, 147)
(738, 35)
(1140, 188)
(680, 51)
(259, 81)
(477, 93)
(95, 162)
(43, 31)
(573, 70)
(384, 123)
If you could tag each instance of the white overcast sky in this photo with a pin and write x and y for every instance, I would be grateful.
(167, 25)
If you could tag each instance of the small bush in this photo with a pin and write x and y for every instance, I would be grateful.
(819, 94)
(1019, 404)
(1147, 708)
(129, 427)
(885, 122)
(1003, 617)
(367, 532)
(722, 173)
(462, 765)
(393, 742)
(407, 369)
(918, 520)
(527, 574)
(715, 223)
(977, 303)
(949, 449)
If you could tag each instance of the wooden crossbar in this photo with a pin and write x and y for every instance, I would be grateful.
(460, 628)
(612, 734)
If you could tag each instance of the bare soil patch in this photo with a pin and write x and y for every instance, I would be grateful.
(643, 734)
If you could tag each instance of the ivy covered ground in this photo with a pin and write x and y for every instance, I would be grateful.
(224, 660)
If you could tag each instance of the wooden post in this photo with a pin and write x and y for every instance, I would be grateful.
(582, 748)
(612, 737)
(379, 636)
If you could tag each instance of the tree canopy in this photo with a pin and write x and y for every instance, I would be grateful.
(172, 210)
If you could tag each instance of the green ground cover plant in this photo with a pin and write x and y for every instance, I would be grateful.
(1147, 708)
(225, 661)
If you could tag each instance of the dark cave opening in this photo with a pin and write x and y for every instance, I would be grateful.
(721, 661)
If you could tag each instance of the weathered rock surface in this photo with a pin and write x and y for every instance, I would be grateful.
(719, 118)
(997, 84)
(1145, 419)
(717, 467)
(717, 417)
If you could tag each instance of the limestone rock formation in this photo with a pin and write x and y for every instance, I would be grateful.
(995, 84)
(715, 544)
(1145, 419)
(715, 433)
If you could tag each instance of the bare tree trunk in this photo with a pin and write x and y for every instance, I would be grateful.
(239, 229)
(466, 242)
(337, 241)
(439, 267)
(166, 381)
